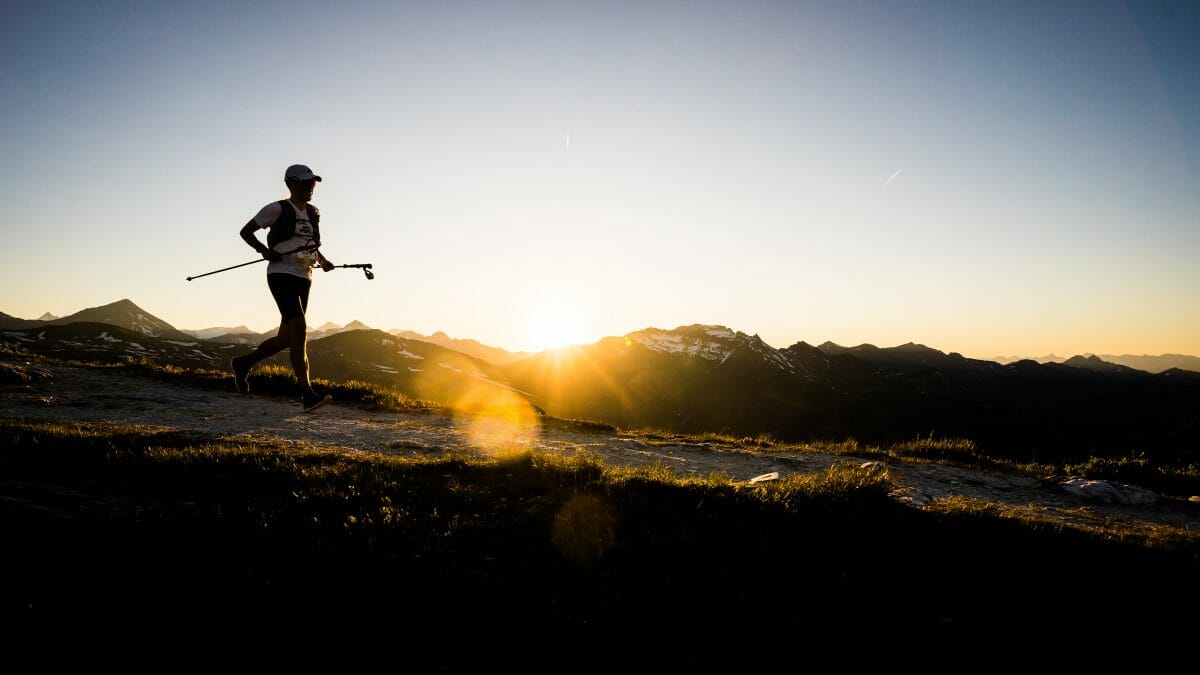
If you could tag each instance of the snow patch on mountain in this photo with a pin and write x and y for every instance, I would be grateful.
(770, 354)
(145, 325)
(713, 343)
(673, 343)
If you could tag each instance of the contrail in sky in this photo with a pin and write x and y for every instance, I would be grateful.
(888, 181)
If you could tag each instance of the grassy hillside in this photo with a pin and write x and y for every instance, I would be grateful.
(147, 549)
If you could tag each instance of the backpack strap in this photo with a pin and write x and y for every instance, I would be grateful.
(314, 217)
(284, 226)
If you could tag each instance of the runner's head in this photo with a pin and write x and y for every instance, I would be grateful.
(301, 182)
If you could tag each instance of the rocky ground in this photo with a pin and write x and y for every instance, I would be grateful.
(59, 392)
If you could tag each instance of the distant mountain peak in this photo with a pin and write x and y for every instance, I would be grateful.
(472, 348)
(122, 304)
(330, 328)
(217, 331)
(1095, 363)
(718, 331)
(696, 329)
(1149, 363)
(916, 348)
(833, 348)
(709, 342)
(48, 317)
(126, 314)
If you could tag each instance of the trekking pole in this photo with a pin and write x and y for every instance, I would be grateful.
(365, 267)
(310, 247)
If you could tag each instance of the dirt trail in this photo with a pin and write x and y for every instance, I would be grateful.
(92, 394)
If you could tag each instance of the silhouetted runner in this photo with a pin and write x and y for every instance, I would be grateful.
(294, 226)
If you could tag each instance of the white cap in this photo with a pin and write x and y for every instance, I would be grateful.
(299, 172)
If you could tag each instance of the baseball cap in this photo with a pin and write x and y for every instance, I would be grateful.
(299, 172)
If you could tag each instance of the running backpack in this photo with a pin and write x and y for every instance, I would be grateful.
(284, 227)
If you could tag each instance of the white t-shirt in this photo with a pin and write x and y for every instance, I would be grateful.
(299, 264)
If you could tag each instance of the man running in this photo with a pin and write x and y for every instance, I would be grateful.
(292, 249)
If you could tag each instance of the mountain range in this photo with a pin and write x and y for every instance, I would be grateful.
(1151, 363)
(242, 335)
(122, 313)
(417, 368)
(703, 378)
(128, 315)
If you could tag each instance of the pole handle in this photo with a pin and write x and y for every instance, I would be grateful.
(365, 267)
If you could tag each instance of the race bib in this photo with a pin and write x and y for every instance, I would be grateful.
(306, 258)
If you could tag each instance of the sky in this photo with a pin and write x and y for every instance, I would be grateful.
(992, 178)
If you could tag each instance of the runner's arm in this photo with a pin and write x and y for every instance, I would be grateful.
(249, 236)
(323, 261)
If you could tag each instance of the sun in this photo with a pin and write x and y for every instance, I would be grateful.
(556, 324)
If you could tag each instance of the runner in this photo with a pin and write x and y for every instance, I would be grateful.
(294, 225)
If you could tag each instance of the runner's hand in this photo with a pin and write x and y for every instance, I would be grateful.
(272, 255)
(326, 265)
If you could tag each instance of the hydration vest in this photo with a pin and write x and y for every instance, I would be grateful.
(284, 227)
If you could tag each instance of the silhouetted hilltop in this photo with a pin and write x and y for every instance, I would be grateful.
(96, 341)
(123, 313)
(8, 321)
(1095, 363)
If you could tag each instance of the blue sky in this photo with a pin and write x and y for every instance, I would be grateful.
(990, 178)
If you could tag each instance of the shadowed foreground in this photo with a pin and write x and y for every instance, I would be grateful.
(133, 549)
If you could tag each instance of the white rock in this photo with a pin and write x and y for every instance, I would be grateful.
(1109, 493)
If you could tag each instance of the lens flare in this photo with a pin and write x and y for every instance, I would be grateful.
(584, 528)
(494, 419)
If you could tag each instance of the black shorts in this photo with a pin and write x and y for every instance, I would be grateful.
(291, 294)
